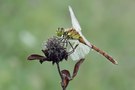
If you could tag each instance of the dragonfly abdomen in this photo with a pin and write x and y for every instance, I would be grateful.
(104, 54)
(82, 41)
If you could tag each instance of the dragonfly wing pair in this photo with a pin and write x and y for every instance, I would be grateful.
(81, 49)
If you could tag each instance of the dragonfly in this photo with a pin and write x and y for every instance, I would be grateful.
(75, 35)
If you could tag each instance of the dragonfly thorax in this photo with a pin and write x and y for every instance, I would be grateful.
(72, 34)
(69, 33)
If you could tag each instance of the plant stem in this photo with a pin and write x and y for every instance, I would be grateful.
(58, 67)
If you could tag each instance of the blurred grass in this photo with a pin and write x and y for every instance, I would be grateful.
(24, 25)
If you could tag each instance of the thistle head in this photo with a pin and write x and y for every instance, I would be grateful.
(60, 32)
(54, 51)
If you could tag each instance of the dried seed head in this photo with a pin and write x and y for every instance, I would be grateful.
(54, 50)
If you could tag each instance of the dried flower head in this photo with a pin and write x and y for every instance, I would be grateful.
(54, 51)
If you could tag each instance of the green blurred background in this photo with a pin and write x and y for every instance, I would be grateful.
(25, 24)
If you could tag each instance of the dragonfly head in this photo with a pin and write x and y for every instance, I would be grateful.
(60, 32)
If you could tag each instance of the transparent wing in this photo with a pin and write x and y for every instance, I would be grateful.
(80, 52)
(82, 49)
(74, 21)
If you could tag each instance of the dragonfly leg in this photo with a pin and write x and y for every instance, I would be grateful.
(71, 45)
(73, 48)
(63, 41)
(66, 41)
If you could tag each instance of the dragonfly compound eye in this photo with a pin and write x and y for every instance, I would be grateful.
(60, 32)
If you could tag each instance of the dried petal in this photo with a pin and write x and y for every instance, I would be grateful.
(66, 78)
(76, 67)
(37, 57)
